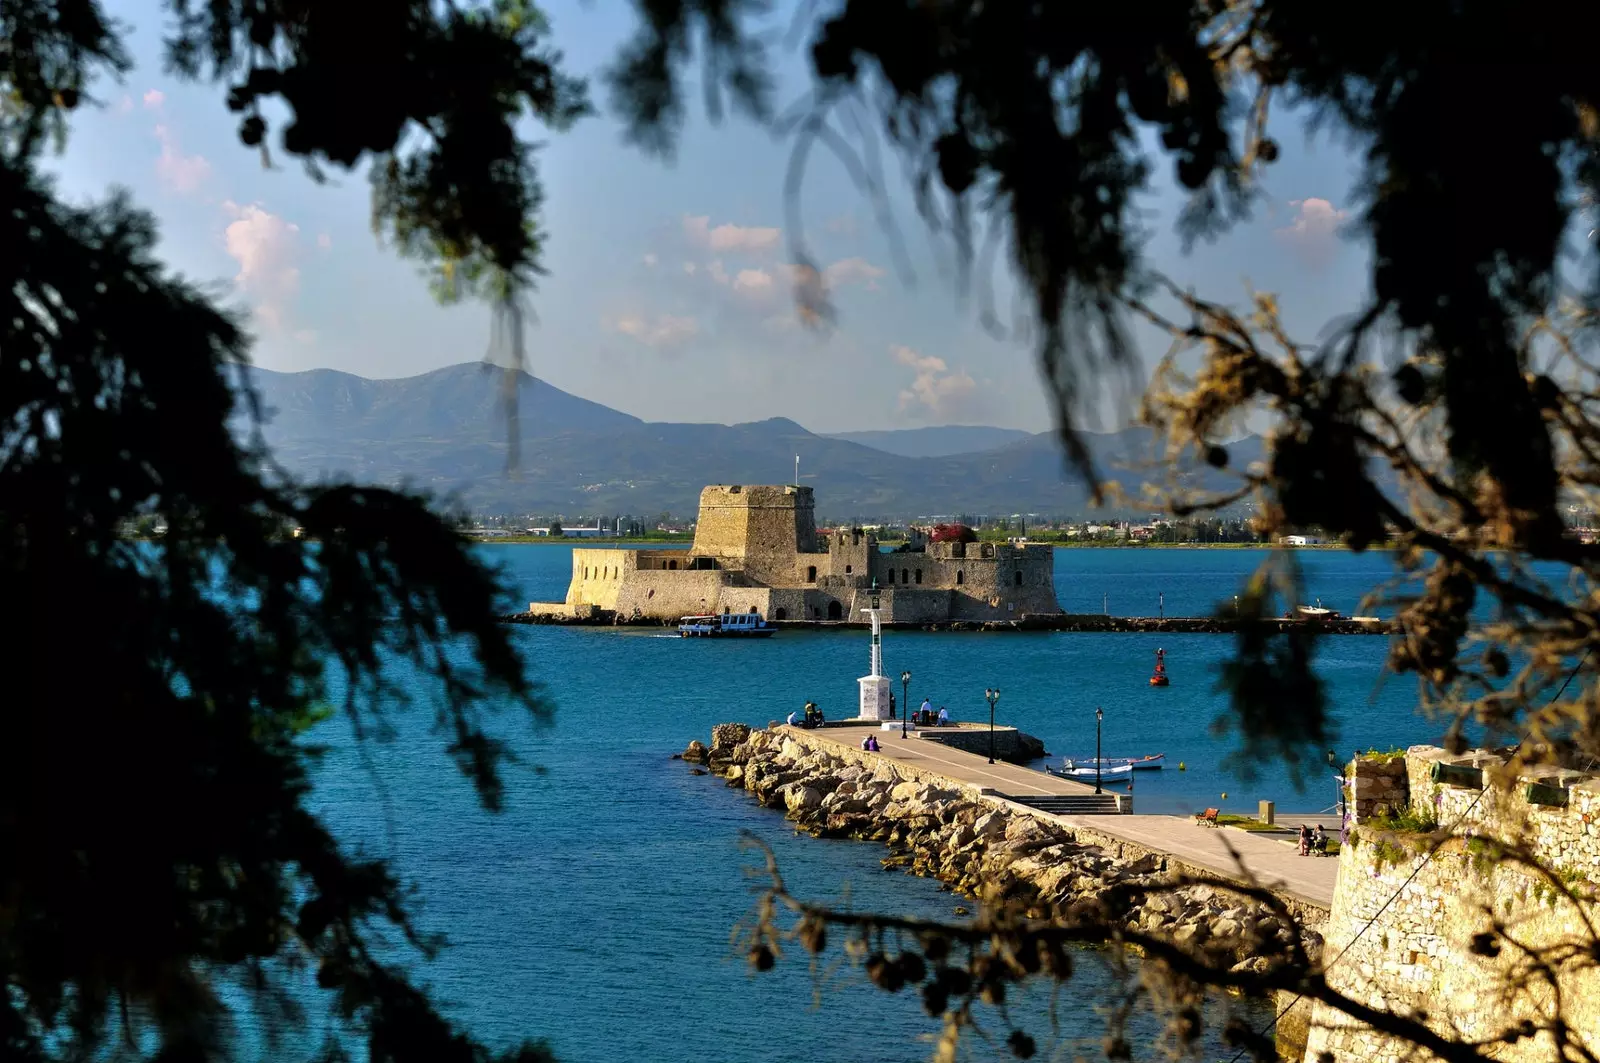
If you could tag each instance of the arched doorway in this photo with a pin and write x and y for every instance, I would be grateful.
(781, 614)
(961, 577)
(834, 612)
(811, 573)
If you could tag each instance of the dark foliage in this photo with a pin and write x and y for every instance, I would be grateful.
(153, 773)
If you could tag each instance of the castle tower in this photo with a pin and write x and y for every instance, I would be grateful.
(757, 529)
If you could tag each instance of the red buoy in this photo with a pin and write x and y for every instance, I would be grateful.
(1159, 679)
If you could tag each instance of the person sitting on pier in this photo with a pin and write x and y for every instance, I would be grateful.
(1305, 840)
(872, 743)
(866, 742)
(944, 716)
(1319, 841)
(790, 721)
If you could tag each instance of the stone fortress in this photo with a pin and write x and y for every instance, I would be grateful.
(757, 549)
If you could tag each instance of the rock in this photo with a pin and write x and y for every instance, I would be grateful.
(802, 799)
(697, 771)
(728, 735)
(962, 836)
(990, 825)
(1189, 933)
(906, 792)
(1226, 928)
(735, 775)
(696, 752)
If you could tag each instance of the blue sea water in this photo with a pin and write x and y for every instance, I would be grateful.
(596, 909)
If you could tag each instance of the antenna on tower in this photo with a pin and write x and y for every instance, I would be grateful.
(797, 470)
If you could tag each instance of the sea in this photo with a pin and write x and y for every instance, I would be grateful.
(597, 910)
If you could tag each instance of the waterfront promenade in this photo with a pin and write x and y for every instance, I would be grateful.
(1272, 860)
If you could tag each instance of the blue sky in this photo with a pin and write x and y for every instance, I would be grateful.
(667, 296)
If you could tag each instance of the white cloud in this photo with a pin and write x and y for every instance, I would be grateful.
(753, 281)
(154, 99)
(1314, 232)
(324, 241)
(266, 248)
(180, 172)
(689, 268)
(728, 238)
(664, 330)
(936, 389)
(716, 272)
(852, 271)
(649, 259)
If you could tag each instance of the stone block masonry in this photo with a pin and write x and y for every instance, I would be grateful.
(757, 548)
(1451, 928)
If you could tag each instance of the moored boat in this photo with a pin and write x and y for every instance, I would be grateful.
(726, 626)
(1091, 771)
(1153, 762)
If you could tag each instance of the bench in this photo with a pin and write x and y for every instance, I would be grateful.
(1208, 818)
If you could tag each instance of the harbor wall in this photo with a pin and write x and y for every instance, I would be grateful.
(976, 841)
(1425, 925)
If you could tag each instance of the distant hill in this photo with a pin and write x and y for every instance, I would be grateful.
(444, 432)
(935, 441)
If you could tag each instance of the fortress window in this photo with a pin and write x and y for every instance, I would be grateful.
(848, 570)
(919, 575)
(1019, 578)
(905, 576)
(811, 573)
(586, 572)
(891, 575)
(961, 577)
(673, 565)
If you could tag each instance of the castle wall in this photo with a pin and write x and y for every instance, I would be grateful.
(757, 529)
(1419, 949)
(757, 547)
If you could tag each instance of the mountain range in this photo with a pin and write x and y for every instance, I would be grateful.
(444, 432)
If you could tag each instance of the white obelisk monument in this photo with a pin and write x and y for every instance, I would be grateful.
(875, 685)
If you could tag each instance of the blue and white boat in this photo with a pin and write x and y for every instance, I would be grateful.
(726, 626)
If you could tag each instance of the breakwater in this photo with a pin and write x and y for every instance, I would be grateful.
(1080, 622)
(988, 847)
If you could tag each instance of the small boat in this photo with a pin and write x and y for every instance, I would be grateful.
(726, 626)
(1159, 679)
(1153, 762)
(1091, 771)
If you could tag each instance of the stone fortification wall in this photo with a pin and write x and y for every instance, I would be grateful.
(758, 529)
(1424, 947)
(756, 547)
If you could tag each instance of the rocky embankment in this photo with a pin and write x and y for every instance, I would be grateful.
(987, 848)
(1095, 622)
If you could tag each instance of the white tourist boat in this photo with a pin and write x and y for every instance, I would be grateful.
(726, 626)
(1091, 771)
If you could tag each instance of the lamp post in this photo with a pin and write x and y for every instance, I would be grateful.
(991, 696)
(905, 705)
(1098, 716)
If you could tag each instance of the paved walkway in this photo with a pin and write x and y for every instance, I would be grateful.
(1013, 780)
(1273, 859)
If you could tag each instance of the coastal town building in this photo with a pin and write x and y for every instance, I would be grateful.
(757, 549)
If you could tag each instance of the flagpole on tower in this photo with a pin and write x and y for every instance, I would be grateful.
(797, 470)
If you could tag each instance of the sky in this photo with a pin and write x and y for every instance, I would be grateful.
(667, 296)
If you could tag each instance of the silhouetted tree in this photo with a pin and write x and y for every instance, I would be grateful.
(152, 778)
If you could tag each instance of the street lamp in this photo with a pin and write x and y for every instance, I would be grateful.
(1098, 716)
(992, 696)
(905, 705)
